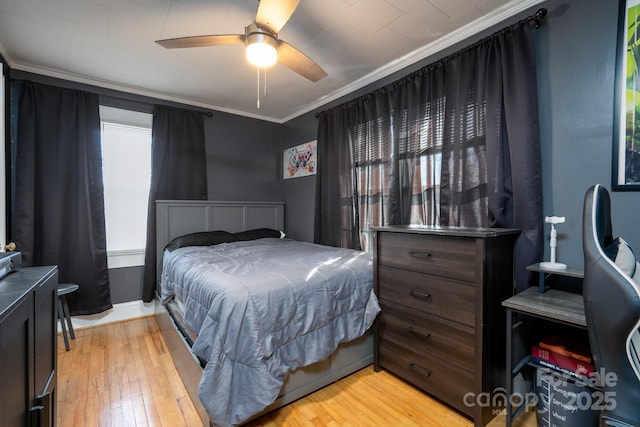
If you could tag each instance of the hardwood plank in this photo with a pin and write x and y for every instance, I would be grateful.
(122, 375)
(182, 359)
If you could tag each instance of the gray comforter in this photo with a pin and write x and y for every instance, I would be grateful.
(263, 308)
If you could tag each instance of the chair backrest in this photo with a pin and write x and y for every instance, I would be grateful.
(612, 308)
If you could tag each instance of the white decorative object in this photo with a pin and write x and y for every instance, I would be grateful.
(553, 265)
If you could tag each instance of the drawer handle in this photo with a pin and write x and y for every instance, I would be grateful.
(421, 255)
(419, 294)
(418, 369)
(419, 333)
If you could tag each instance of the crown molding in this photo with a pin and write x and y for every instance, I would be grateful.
(501, 14)
(135, 91)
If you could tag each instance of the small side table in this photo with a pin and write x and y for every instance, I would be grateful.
(65, 289)
(547, 272)
(555, 306)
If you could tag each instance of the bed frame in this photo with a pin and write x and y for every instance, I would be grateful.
(177, 217)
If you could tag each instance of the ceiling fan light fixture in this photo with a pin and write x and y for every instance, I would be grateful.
(261, 48)
(261, 54)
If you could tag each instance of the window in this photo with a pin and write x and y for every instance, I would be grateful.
(126, 166)
(398, 161)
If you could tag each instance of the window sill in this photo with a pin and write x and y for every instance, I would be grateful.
(125, 258)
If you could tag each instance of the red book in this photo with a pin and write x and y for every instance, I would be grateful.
(567, 363)
(565, 347)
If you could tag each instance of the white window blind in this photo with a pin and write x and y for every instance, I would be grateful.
(126, 165)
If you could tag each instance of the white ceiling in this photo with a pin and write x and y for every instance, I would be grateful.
(111, 43)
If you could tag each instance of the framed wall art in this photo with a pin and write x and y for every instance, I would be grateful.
(301, 160)
(626, 129)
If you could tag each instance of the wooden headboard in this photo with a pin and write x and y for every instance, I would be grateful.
(178, 217)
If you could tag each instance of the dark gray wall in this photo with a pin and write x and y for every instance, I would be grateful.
(125, 284)
(299, 193)
(242, 158)
(576, 56)
(576, 63)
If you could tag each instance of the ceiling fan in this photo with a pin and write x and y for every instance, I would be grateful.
(263, 47)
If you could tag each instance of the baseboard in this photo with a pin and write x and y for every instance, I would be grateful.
(119, 312)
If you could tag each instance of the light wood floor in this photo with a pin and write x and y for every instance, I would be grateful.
(122, 375)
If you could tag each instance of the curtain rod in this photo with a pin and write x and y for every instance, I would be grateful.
(147, 103)
(109, 97)
(535, 19)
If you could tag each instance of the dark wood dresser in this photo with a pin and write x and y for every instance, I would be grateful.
(28, 347)
(442, 327)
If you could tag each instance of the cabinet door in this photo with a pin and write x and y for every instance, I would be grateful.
(16, 354)
(45, 349)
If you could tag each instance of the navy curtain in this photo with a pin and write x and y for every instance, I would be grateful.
(454, 143)
(178, 172)
(58, 215)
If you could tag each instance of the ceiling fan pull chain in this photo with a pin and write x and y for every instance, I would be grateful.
(265, 82)
(258, 90)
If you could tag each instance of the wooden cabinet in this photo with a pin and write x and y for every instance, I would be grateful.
(28, 336)
(442, 327)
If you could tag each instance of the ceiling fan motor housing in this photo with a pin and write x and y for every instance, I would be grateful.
(254, 33)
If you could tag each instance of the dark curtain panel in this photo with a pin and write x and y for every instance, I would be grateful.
(338, 222)
(59, 200)
(438, 147)
(178, 172)
(513, 146)
(335, 224)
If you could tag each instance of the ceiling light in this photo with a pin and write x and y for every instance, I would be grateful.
(261, 54)
(261, 47)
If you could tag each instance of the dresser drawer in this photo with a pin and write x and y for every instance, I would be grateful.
(440, 379)
(446, 256)
(423, 333)
(450, 299)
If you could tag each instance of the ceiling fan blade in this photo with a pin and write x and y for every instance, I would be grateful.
(201, 41)
(273, 14)
(299, 62)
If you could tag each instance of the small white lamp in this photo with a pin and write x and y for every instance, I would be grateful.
(553, 265)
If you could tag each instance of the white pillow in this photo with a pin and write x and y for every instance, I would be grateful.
(622, 255)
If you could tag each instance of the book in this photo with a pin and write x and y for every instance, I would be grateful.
(566, 373)
(569, 365)
(566, 347)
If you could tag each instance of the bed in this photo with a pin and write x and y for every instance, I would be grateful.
(253, 321)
